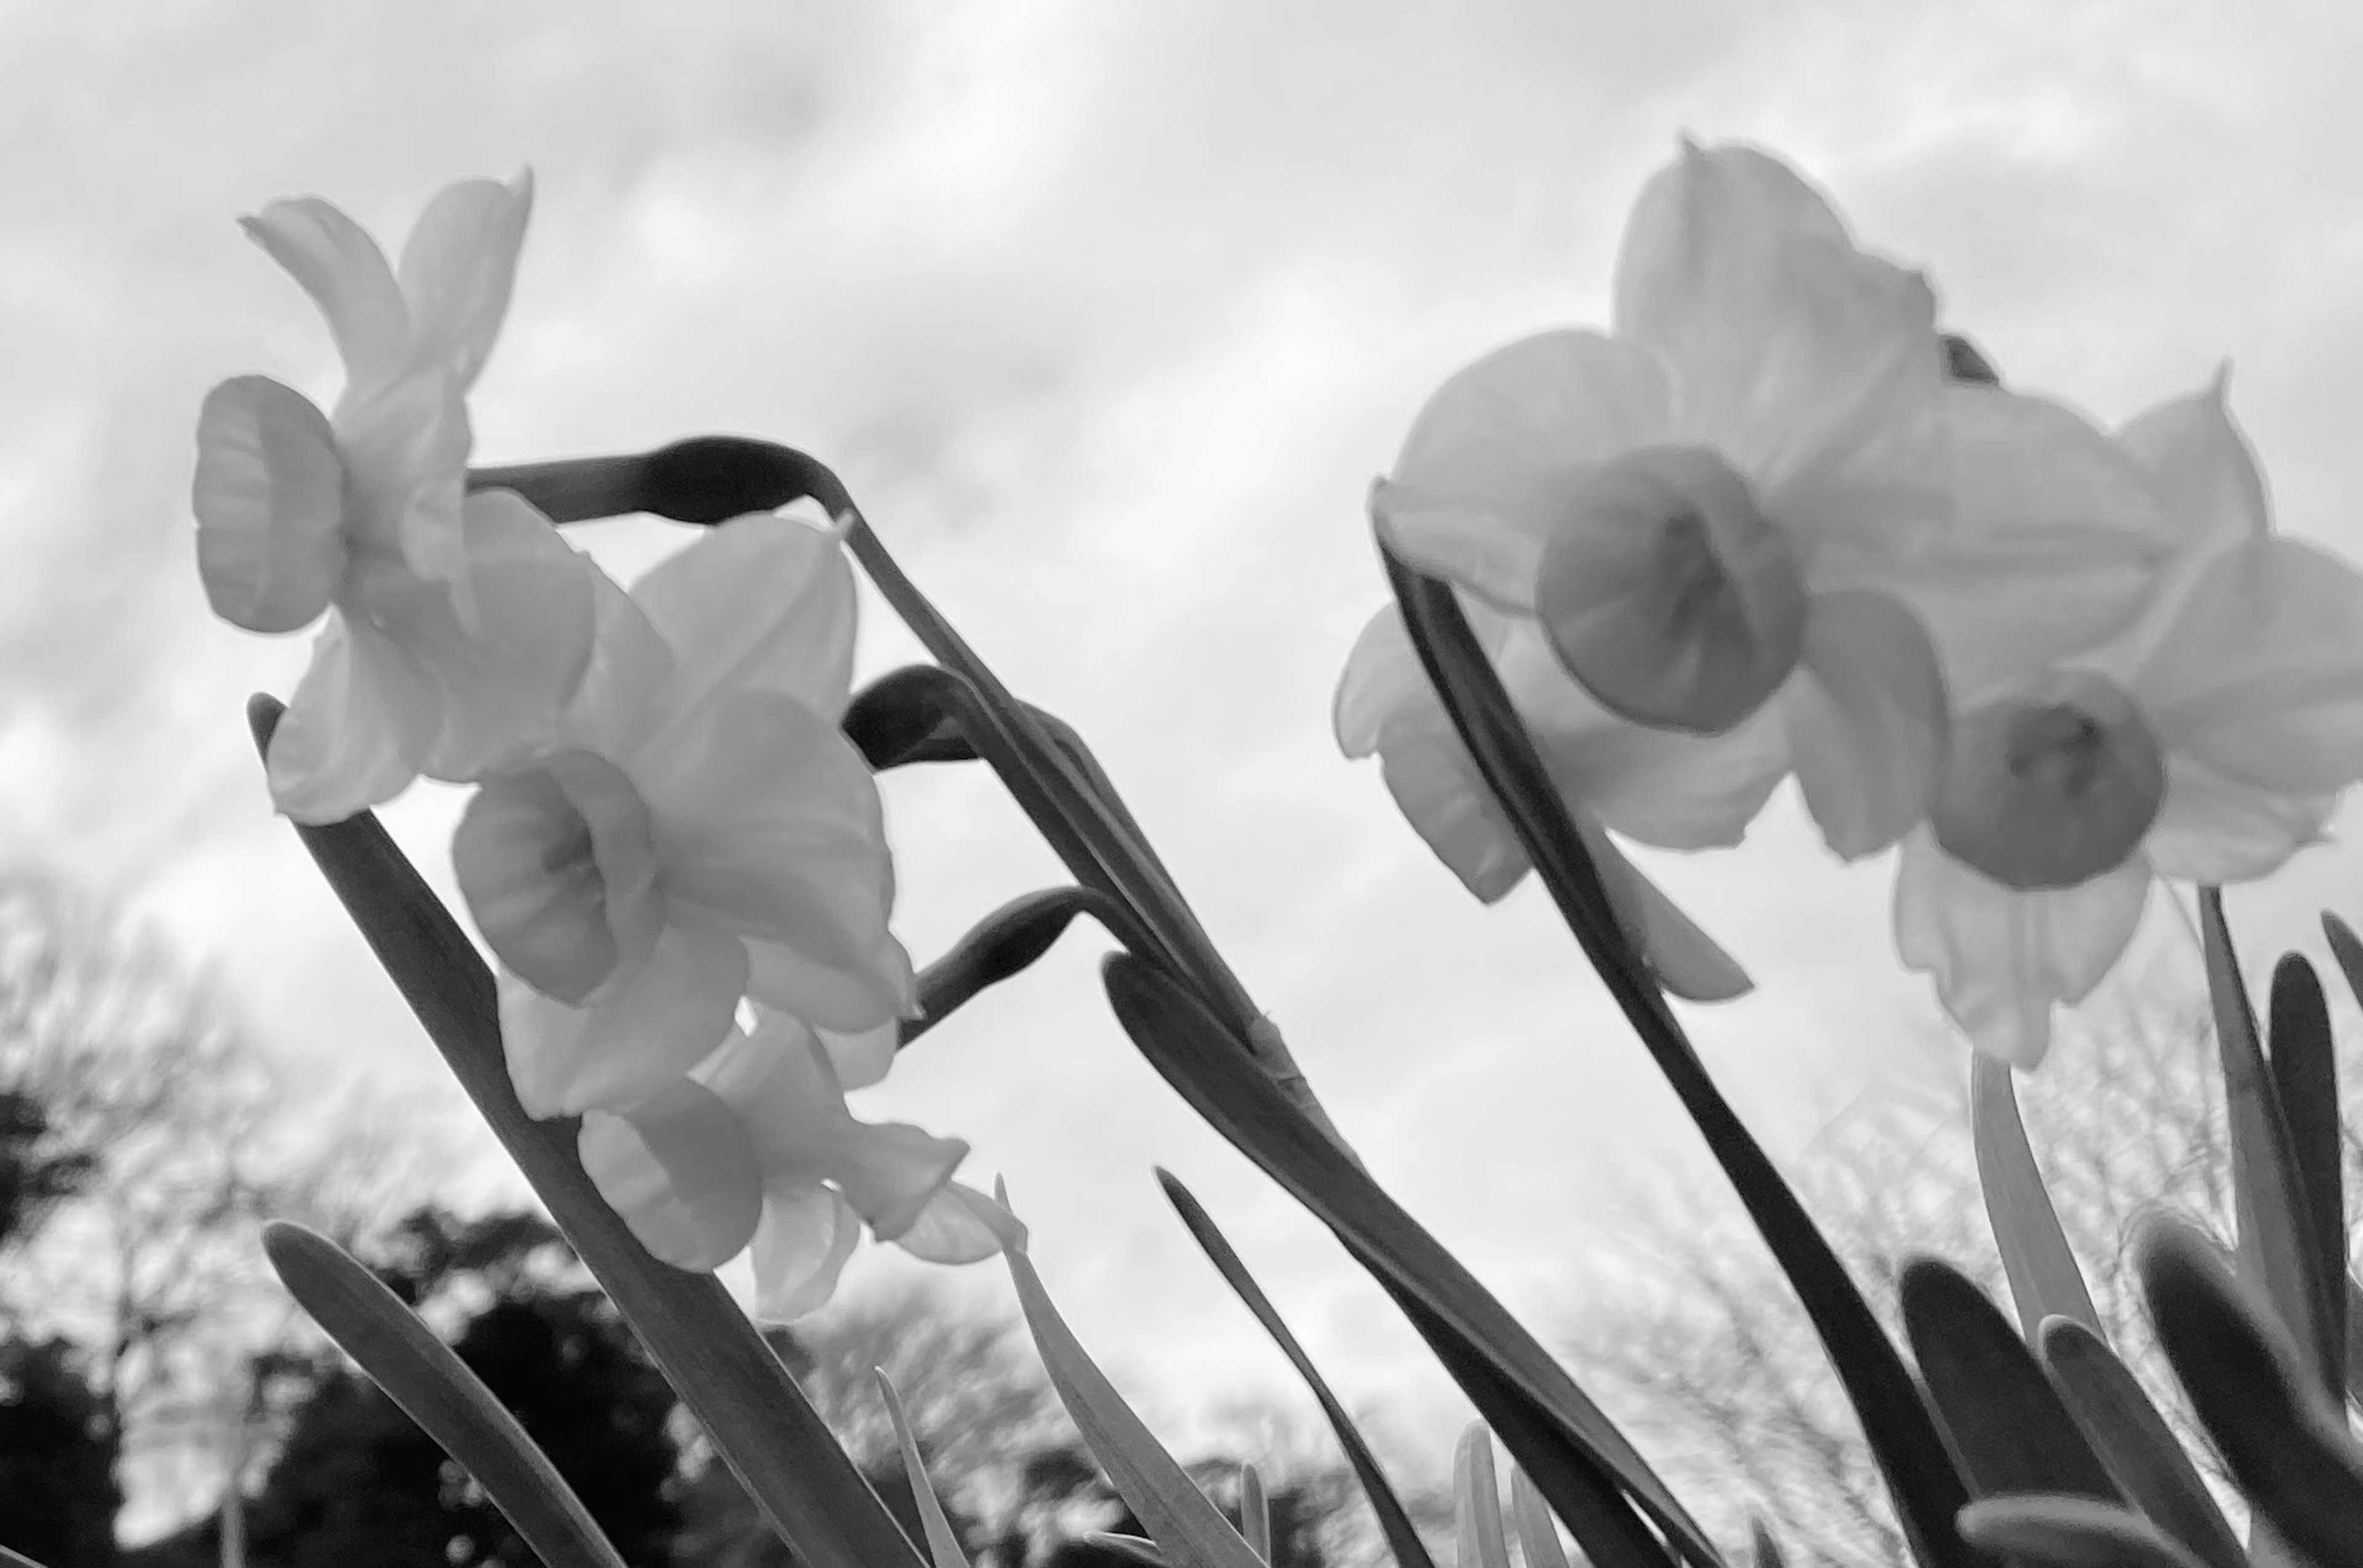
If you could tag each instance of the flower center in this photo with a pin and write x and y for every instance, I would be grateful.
(2051, 787)
(1668, 595)
(558, 868)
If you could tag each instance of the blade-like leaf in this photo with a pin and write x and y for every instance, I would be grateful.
(2305, 1062)
(1537, 1536)
(2141, 1451)
(2071, 1532)
(1927, 1489)
(2044, 1279)
(1186, 1526)
(2007, 1421)
(435, 1388)
(1131, 1546)
(1003, 944)
(760, 1421)
(1191, 1049)
(1477, 1501)
(13, 1559)
(1768, 1550)
(1255, 1512)
(943, 1542)
(2276, 1230)
(2285, 1443)
(1394, 1520)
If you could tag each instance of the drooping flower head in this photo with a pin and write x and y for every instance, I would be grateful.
(755, 1145)
(457, 625)
(699, 830)
(2207, 744)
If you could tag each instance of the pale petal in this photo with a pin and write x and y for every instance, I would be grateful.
(669, 1016)
(336, 261)
(2205, 474)
(619, 701)
(405, 446)
(2002, 960)
(679, 1170)
(2057, 543)
(2213, 831)
(1686, 960)
(457, 269)
(1789, 349)
(1485, 474)
(2259, 675)
(954, 1228)
(269, 504)
(860, 1059)
(1385, 684)
(504, 685)
(843, 1000)
(801, 1247)
(770, 826)
(1435, 784)
(761, 601)
(559, 870)
(352, 738)
(889, 1171)
(1868, 721)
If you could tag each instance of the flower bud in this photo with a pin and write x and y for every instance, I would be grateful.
(1669, 596)
(2051, 787)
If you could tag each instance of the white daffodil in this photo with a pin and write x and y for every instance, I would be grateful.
(699, 831)
(1728, 507)
(1657, 786)
(457, 626)
(2208, 744)
(755, 1145)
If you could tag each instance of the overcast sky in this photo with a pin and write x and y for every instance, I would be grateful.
(1108, 312)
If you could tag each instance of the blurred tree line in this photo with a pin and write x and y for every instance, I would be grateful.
(143, 1143)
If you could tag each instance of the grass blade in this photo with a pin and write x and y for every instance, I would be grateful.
(1477, 1501)
(1488, 1352)
(2007, 1421)
(1537, 1536)
(943, 1542)
(760, 1421)
(435, 1388)
(1394, 1520)
(2141, 1451)
(2304, 1061)
(1255, 1512)
(2044, 1279)
(2071, 1532)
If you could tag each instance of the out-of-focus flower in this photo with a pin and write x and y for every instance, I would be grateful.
(2207, 744)
(1727, 508)
(1657, 786)
(699, 831)
(755, 1145)
(457, 626)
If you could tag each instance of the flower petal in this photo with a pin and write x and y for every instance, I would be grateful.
(405, 446)
(669, 1016)
(1491, 460)
(801, 1247)
(863, 1058)
(2260, 674)
(1435, 784)
(352, 738)
(2213, 831)
(269, 504)
(1790, 349)
(1686, 960)
(2001, 959)
(457, 269)
(336, 261)
(769, 825)
(505, 684)
(954, 1228)
(679, 1170)
(1868, 721)
(842, 1001)
(2056, 545)
(2205, 474)
(761, 601)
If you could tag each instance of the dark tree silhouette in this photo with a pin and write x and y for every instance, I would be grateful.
(58, 1496)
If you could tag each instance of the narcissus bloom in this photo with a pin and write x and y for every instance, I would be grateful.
(2208, 744)
(1657, 786)
(1728, 507)
(699, 831)
(456, 626)
(755, 1145)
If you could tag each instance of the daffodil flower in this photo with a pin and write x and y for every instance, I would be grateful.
(1730, 506)
(1657, 786)
(2207, 744)
(456, 626)
(755, 1146)
(699, 831)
